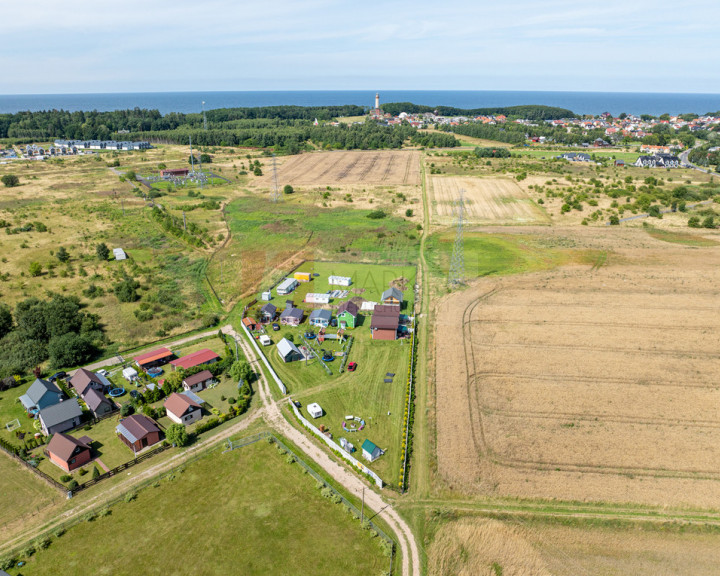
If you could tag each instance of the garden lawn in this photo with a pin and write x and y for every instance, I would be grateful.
(244, 512)
(11, 408)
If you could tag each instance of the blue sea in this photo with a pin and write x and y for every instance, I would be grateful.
(187, 102)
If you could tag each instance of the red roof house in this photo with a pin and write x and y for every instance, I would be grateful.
(68, 452)
(204, 356)
(153, 358)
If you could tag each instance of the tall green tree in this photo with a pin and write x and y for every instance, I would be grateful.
(62, 254)
(6, 320)
(10, 180)
(102, 251)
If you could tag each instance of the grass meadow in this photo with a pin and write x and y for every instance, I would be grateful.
(244, 512)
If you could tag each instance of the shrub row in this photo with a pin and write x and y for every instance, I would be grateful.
(409, 417)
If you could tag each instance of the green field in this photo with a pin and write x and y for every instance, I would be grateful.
(22, 492)
(502, 254)
(629, 157)
(244, 512)
(265, 235)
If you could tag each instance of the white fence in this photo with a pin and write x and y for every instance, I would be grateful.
(336, 447)
(279, 382)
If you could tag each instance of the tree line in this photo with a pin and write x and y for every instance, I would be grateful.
(528, 112)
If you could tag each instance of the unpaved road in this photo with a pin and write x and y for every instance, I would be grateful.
(351, 482)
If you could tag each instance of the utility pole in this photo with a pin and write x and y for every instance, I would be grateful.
(192, 158)
(204, 118)
(276, 189)
(122, 203)
(362, 510)
(184, 221)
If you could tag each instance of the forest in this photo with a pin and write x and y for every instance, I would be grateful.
(288, 129)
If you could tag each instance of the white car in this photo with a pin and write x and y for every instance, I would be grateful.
(103, 372)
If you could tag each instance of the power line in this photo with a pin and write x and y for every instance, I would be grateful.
(276, 188)
(456, 275)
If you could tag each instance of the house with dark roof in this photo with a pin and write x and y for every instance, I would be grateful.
(291, 316)
(199, 358)
(41, 394)
(392, 296)
(138, 432)
(320, 318)
(198, 382)
(84, 379)
(385, 322)
(347, 314)
(182, 409)
(97, 402)
(67, 452)
(268, 312)
(60, 417)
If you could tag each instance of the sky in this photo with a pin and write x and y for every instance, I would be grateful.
(94, 46)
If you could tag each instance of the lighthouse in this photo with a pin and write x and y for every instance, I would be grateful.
(377, 101)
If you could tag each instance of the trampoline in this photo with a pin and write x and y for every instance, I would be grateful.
(328, 356)
(310, 335)
(115, 392)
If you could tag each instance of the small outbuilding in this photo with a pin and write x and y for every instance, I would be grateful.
(154, 358)
(67, 452)
(347, 314)
(130, 374)
(317, 298)
(371, 452)
(385, 322)
(199, 358)
(265, 340)
(182, 409)
(302, 276)
(339, 280)
(119, 254)
(314, 410)
(320, 318)
(266, 296)
(288, 351)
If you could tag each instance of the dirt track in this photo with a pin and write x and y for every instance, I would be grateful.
(585, 384)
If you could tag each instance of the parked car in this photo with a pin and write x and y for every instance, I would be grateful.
(57, 375)
(276, 326)
(352, 366)
(333, 322)
(103, 372)
(134, 393)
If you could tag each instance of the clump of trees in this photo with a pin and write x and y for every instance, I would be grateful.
(58, 330)
(10, 180)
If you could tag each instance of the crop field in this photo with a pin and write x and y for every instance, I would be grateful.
(486, 200)
(485, 546)
(587, 382)
(384, 167)
(250, 511)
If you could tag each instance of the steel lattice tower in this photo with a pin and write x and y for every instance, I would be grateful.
(276, 189)
(457, 263)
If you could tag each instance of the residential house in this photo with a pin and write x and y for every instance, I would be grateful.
(317, 298)
(198, 382)
(97, 403)
(392, 296)
(182, 409)
(199, 358)
(291, 316)
(347, 313)
(41, 394)
(268, 312)
(320, 318)
(371, 452)
(60, 417)
(84, 379)
(288, 351)
(646, 162)
(67, 452)
(138, 432)
(385, 322)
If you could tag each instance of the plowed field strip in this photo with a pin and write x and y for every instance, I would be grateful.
(391, 159)
(610, 324)
(366, 171)
(670, 352)
(687, 383)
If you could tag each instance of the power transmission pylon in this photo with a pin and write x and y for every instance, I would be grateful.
(276, 188)
(457, 262)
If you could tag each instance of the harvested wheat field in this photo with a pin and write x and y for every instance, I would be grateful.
(382, 167)
(481, 546)
(487, 201)
(585, 383)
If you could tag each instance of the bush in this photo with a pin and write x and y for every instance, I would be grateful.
(377, 214)
(95, 472)
(694, 222)
(709, 222)
(35, 269)
(130, 496)
(287, 189)
(614, 220)
(409, 212)
(65, 478)
(72, 485)
(126, 410)
(176, 434)
(82, 471)
(10, 180)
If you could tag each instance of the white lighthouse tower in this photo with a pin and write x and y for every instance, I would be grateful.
(377, 101)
